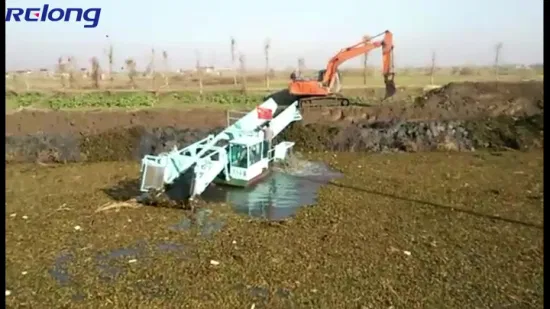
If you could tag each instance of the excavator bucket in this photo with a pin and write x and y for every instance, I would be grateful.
(390, 86)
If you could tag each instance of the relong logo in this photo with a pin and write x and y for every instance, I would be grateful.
(45, 13)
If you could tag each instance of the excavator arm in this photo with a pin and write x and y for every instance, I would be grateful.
(361, 48)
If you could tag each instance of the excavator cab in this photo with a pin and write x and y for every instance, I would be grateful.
(321, 74)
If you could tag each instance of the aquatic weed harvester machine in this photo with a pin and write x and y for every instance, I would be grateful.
(238, 156)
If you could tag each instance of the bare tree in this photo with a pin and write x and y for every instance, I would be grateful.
(166, 68)
(432, 68)
(111, 62)
(62, 71)
(71, 68)
(267, 47)
(153, 70)
(242, 62)
(366, 39)
(301, 66)
(233, 59)
(150, 68)
(132, 72)
(498, 48)
(96, 72)
(199, 70)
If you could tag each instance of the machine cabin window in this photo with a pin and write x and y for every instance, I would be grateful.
(255, 154)
(238, 155)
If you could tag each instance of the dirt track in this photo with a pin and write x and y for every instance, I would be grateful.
(452, 102)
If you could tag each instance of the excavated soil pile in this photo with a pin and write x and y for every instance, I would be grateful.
(456, 135)
(451, 102)
(459, 116)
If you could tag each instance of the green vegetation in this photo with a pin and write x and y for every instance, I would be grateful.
(130, 99)
(424, 230)
(172, 99)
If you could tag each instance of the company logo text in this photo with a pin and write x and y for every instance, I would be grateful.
(89, 16)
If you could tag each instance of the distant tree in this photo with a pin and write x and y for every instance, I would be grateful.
(432, 68)
(301, 66)
(199, 70)
(233, 59)
(166, 68)
(71, 71)
(267, 46)
(111, 62)
(62, 71)
(96, 72)
(498, 48)
(242, 61)
(132, 71)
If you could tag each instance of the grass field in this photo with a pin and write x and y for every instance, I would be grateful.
(433, 230)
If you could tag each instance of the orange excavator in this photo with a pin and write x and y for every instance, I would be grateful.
(327, 85)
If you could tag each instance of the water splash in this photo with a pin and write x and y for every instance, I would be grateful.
(291, 185)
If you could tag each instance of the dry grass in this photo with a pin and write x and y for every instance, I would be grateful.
(432, 230)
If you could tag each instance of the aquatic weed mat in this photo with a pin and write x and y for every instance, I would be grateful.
(423, 230)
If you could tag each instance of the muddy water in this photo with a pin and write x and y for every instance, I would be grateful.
(280, 195)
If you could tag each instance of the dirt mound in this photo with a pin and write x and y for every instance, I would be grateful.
(454, 101)
(494, 98)
(496, 133)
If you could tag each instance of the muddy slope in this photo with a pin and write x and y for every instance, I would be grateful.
(133, 143)
(455, 101)
(456, 135)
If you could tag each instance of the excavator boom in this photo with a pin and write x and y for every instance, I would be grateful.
(359, 49)
(324, 86)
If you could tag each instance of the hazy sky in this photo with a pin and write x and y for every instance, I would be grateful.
(461, 32)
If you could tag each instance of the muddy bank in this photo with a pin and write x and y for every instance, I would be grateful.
(133, 143)
(456, 135)
(454, 101)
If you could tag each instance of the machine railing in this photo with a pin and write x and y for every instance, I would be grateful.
(271, 154)
(233, 117)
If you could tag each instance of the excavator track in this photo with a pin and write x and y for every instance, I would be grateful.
(327, 101)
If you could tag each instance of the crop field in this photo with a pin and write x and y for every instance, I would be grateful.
(440, 204)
